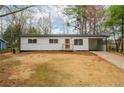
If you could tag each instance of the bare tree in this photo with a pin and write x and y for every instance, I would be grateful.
(44, 25)
(11, 11)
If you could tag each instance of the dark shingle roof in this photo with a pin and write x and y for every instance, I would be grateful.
(66, 35)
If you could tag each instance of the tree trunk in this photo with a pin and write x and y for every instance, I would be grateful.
(122, 37)
(81, 26)
(116, 43)
(94, 26)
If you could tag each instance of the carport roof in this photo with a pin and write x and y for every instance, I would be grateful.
(67, 35)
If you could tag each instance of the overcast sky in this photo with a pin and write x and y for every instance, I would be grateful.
(58, 18)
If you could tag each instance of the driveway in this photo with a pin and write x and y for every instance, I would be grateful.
(115, 59)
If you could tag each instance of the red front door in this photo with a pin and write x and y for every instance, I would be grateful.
(67, 43)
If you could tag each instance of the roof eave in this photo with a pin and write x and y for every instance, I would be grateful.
(64, 36)
(3, 40)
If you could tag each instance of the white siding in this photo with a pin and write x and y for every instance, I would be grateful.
(43, 43)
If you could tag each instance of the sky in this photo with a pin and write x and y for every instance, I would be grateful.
(58, 18)
(54, 12)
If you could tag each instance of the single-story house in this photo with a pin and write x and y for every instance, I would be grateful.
(63, 42)
(2, 44)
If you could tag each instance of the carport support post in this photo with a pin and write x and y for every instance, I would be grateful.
(106, 44)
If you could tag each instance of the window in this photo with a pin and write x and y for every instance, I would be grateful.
(53, 40)
(32, 41)
(75, 42)
(50, 40)
(29, 41)
(78, 41)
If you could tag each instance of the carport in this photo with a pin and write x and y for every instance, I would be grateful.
(97, 44)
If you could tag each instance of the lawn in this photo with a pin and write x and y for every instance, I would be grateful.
(58, 69)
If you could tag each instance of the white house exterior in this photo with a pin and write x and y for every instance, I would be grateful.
(62, 42)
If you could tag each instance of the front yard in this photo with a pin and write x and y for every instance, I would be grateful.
(58, 69)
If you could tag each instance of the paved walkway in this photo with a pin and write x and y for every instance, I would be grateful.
(115, 59)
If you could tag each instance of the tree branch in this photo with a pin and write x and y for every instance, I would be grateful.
(16, 11)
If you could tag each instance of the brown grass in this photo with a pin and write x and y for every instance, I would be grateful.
(6, 64)
(64, 69)
(5, 56)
